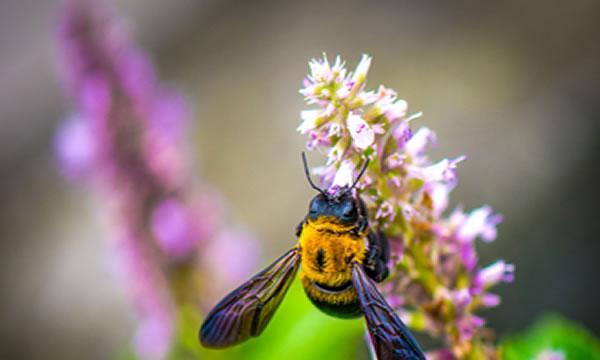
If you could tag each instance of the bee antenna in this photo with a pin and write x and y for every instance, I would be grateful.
(362, 172)
(312, 184)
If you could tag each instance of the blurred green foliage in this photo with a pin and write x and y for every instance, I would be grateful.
(554, 333)
(298, 331)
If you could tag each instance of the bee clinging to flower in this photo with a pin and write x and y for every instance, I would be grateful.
(340, 258)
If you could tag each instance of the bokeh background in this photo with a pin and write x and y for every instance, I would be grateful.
(512, 84)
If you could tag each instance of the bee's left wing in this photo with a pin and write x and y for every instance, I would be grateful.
(246, 311)
(391, 339)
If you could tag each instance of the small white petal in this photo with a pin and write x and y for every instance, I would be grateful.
(444, 170)
(337, 151)
(310, 120)
(480, 222)
(362, 134)
(497, 272)
(439, 197)
(417, 144)
(360, 74)
(334, 129)
(343, 92)
(396, 110)
(343, 177)
(414, 116)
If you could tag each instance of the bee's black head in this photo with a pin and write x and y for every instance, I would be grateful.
(341, 204)
(343, 208)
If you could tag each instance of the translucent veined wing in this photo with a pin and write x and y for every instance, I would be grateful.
(246, 311)
(391, 339)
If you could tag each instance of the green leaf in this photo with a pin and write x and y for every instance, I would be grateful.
(298, 331)
(553, 333)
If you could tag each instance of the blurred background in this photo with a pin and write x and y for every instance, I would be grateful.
(511, 84)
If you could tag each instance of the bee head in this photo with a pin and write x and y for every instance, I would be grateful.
(341, 204)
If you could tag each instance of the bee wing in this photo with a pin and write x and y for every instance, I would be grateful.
(391, 339)
(246, 311)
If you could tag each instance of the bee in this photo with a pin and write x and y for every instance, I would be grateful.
(340, 258)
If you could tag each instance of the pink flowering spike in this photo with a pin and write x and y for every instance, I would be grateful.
(407, 196)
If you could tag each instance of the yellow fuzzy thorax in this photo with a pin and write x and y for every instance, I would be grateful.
(339, 247)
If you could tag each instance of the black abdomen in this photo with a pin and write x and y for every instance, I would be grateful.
(344, 311)
(340, 301)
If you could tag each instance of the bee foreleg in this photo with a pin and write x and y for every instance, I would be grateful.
(360, 227)
(299, 227)
(375, 262)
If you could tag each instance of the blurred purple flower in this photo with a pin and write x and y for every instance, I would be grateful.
(480, 223)
(75, 148)
(549, 354)
(148, 289)
(173, 228)
(241, 251)
(494, 274)
(126, 139)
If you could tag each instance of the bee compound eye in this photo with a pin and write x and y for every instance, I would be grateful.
(314, 207)
(349, 212)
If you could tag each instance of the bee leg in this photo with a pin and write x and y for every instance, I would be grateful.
(299, 227)
(360, 228)
(375, 262)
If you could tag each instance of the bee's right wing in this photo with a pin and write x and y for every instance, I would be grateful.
(246, 311)
(391, 339)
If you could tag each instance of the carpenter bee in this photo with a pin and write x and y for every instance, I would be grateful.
(340, 259)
